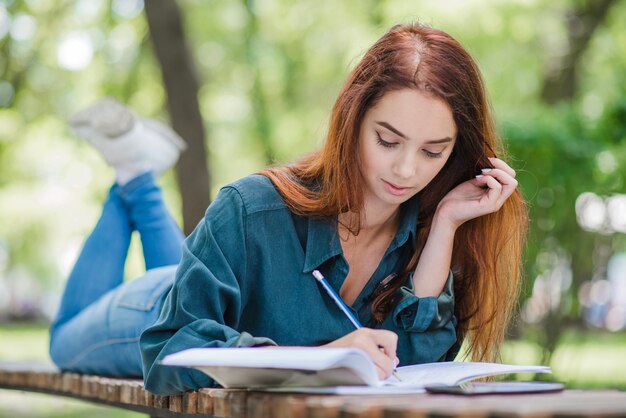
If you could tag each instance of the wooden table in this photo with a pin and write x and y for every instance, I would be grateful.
(224, 403)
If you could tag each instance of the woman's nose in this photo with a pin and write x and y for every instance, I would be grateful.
(405, 165)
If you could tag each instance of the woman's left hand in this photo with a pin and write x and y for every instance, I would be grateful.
(477, 197)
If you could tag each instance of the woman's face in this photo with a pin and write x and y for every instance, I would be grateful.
(405, 140)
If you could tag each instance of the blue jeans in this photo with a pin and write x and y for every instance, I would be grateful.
(100, 318)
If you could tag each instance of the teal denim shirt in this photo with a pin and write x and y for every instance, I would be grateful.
(245, 280)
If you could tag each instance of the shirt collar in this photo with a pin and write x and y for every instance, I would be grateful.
(323, 241)
(409, 214)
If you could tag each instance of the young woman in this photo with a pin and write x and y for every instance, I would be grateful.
(407, 209)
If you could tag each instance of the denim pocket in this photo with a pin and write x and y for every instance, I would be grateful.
(142, 293)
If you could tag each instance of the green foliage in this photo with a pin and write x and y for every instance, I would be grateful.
(562, 155)
(269, 72)
(584, 359)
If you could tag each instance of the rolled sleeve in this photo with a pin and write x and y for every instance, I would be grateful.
(247, 340)
(203, 308)
(415, 314)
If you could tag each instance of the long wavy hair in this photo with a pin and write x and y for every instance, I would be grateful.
(487, 254)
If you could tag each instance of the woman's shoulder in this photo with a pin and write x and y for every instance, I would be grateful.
(257, 193)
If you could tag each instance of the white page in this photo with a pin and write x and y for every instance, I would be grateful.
(454, 373)
(348, 390)
(416, 377)
(296, 358)
(303, 358)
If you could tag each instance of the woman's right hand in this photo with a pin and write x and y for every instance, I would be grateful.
(379, 344)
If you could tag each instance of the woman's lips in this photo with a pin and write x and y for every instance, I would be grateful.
(396, 190)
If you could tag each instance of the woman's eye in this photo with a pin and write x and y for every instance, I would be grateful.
(433, 154)
(384, 143)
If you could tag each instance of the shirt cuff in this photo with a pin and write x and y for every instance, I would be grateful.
(415, 314)
(247, 340)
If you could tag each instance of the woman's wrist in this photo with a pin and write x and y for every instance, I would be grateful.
(433, 266)
(443, 224)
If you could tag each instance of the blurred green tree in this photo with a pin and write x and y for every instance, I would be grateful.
(267, 73)
(180, 81)
(559, 146)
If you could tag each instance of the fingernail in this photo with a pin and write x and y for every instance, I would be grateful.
(479, 176)
(397, 361)
(486, 170)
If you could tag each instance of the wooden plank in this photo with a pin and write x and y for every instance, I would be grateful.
(205, 402)
(126, 393)
(374, 406)
(358, 410)
(229, 403)
(109, 389)
(566, 404)
(161, 402)
(224, 403)
(238, 400)
(221, 407)
(89, 387)
(136, 394)
(146, 398)
(8, 378)
(49, 380)
(267, 405)
(65, 382)
(37, 380)
(57, 382)
(425, 405)
(41, 380)
(16, 378)
(190, 402)
(71, 383)
(323, 407)
(260, 405)
(4, 377)
(176, 403)
(294, 405)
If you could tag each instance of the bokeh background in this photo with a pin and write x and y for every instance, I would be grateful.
(251, 82)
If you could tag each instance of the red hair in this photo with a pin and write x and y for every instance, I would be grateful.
(486, 259)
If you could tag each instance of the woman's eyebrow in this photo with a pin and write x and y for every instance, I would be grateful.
(400, 134)
(439, 141)
(392, 129)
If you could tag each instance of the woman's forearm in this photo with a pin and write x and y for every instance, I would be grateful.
(433, 267)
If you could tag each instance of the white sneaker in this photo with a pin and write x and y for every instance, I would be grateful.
(130, 144)
(164, 147)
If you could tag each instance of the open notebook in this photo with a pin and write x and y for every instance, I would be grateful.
(289, 368)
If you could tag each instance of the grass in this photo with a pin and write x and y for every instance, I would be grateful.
(584, 359)
(24, 342)
(15, 404)
(30, 343)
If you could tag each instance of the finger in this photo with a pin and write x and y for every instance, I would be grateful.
(498, 163)
(509, 184)
(382, 374)
(383, 363)
(501, 175)
(497, 192)
(478, 190)
(493, 192)
(386, 343)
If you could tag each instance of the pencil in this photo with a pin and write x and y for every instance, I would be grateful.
(344, 308)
